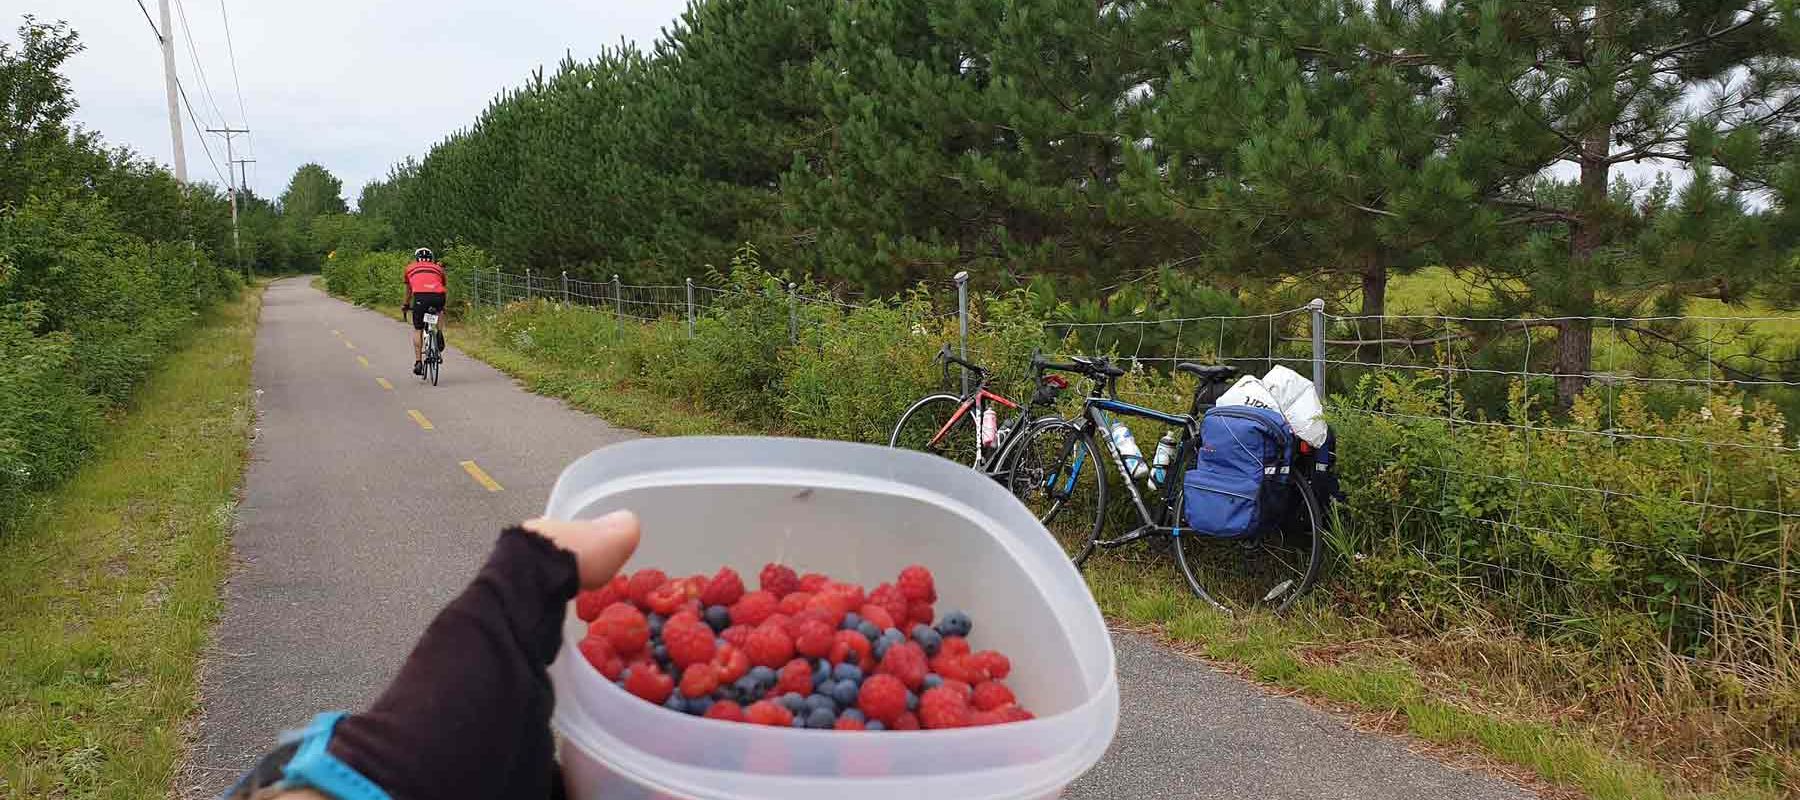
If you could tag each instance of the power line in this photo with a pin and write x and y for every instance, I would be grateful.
(194, 55)
(238, 85)
(153, 30)
(194, 118)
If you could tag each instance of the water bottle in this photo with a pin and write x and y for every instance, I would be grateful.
(1165, 455)
(1128, 449)
(990, 427)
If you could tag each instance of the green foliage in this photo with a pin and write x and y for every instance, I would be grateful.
(311, 192)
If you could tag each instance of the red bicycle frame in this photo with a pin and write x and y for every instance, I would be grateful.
(980, 394)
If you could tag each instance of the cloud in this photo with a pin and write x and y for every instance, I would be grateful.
(355, 86)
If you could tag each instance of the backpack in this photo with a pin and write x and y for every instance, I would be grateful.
(1239, 484)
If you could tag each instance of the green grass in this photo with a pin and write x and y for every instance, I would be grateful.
(107, 594)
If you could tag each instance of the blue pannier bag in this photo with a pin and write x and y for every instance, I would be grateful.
(1240, 482)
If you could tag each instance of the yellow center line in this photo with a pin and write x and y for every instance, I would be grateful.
(336, 332)
(481, 477)
(384, 384)
(362, 361)
(419, 418)
(349, 345)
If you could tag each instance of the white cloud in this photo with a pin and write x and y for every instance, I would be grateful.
(355, 86)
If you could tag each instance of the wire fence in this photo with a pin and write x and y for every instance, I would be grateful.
(1669, 486)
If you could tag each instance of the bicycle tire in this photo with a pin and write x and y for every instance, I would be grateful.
(432, 367)
(1289, 581)
(926, 417)
(1074, 515)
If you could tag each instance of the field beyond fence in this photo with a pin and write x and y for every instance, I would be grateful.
(1650, 527)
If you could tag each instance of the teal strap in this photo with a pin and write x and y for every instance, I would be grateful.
(314, 767)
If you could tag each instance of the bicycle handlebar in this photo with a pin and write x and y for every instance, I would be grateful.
(948, 358)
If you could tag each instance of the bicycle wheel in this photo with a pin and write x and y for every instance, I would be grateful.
(932, 425)
(1058, 474)
(1270, 569)
(432, 367)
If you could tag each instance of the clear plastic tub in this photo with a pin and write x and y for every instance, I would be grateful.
(858, 513)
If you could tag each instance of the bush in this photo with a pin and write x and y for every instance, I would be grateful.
(48, 423)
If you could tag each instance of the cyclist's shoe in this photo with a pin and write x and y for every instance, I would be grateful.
(418, 368)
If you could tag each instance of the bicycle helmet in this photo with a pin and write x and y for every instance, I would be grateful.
(424, 254)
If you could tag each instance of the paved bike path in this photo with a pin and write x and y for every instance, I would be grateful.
(358, 522)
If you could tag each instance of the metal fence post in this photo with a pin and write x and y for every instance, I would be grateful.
(528, 284)
(565, 287)
(1318, 344)
(475, 289)
(690, 291)
(793, 314)
(499, 299)
(962, 321)
(618, 299)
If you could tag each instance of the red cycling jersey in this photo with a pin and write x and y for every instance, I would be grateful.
(424, 277)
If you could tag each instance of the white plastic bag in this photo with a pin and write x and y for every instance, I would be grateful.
(1249, 391)
(1299, 402)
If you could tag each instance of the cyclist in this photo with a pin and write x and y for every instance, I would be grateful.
(425, 294)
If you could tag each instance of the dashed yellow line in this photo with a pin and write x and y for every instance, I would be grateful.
(419, 418)
(482, 477)
(384, 384)
(349, 345)
(336, 332)
(362, 361)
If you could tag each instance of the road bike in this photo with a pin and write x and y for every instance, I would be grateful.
(968, 428)
(1059, 474)
(434, 348)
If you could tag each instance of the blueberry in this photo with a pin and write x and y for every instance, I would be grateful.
(955, 623)
(675, 703)
(763, 675)
(852, 622)
(933, 680)
(868, 630)
(698, 705)
(817, 701)
(844, 692)
(662, 653)
(656, 623)
(718, 617)
(847, 672)
(821, 666)
(799, 721)
(792, 701)
(820, 718)
(853, 714)
(747, 689)
(894, 634)
(874, 725)
(927, 638)
(881, 647)
(912, 701)
(820, 676)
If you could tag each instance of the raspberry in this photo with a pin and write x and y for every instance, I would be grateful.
(650, 683)
(780, 620)
(918, 614)
(966, 669)
(779, 580)
(699, 680)
(848, 644)
(688, 642)
(590, 603)
(726, 710)
(992, 695)
(667, 598)
(1016, 714)
(891, 600)
(834, 607)
(906, 722)
(765, 712)
(795, 677)
(753, 608)
(993, 663)
(944, 707)
(730, 662)
(724, 589)
(624, 628)
(812, 582)
(955, 645)
(794, 602)
(877, 615)
(642, 584)
(769, 646)
(882, 697)
(685, 616)
(917, 586)
(737, 635)
(815, 639)
(811, 615)
(852, 594)
(847, 724)
(906, 662)
(599, 652)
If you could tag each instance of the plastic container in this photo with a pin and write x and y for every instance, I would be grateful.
(859, 513)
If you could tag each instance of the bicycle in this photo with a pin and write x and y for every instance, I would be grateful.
(954, 426)
(1271, 567)
(434, 348)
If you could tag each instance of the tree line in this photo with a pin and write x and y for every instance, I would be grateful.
(1244, 143)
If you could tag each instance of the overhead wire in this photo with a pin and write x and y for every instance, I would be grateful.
(237, 83)
(199, 70)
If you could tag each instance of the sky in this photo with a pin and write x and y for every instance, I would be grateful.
(355, 86)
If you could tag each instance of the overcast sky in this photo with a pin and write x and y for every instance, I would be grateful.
(355, 86)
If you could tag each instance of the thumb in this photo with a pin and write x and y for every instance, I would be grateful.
(600, 546)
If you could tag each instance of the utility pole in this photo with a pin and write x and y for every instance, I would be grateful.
(232, 190)
(243, 185)
(167, 37)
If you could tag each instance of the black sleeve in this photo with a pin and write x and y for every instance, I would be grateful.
(468, 716)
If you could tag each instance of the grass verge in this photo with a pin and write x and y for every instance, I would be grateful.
(107, 594)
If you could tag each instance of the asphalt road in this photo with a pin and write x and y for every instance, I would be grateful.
(358, 522)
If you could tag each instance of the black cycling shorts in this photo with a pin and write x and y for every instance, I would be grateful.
(426, 303)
